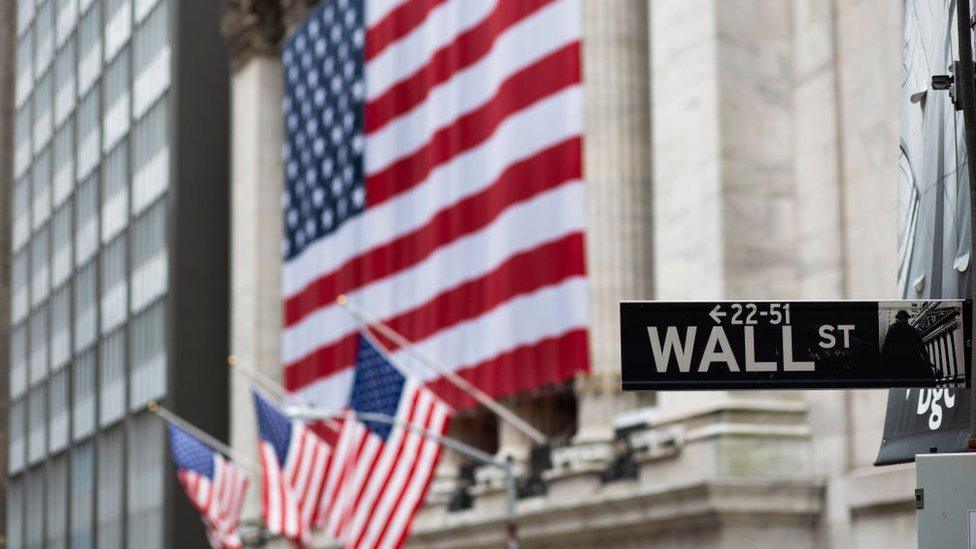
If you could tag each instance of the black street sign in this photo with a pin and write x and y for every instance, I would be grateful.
(795, 344)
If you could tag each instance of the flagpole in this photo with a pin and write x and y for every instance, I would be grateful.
(511, 493)
(272, 386)
(176, 420)
(464, 385)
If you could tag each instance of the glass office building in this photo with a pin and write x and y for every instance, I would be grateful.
(118, 265)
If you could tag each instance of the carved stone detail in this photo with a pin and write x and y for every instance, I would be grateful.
(252, 27)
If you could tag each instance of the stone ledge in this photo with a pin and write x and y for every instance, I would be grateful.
(627, 506)
(880, 488)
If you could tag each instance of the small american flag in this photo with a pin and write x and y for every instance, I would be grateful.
(433, 164)
(215, 486)
(293, 462)
(380, 472)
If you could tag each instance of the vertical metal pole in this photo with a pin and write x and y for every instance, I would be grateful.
(511, 497)
(966, 88)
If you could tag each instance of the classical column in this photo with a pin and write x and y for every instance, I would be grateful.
(619, 242)
(253, 31)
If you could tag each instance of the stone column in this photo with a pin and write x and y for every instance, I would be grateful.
(8, 32)
(618, 175)
(253, 31)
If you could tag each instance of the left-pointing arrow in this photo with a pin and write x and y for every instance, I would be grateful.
(717, 314)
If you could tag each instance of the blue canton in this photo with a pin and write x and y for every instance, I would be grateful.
(324, 140)
(190, 454)
(273, 427)
(377, 386)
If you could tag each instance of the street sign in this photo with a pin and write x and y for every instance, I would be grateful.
(795, 344)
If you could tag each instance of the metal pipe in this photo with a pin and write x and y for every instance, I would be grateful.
(450, 375)
(511, 495)
(176, 420)
(273, 387)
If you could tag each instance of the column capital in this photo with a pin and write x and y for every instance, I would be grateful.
(252, 27)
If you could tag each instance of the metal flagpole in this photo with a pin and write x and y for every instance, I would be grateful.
(318, 414)
(504, 413)
(272, 386)
(176, 420)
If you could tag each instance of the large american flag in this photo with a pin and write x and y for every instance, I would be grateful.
(379, 473)
(293, 463)
(434, 174)
(215, 486)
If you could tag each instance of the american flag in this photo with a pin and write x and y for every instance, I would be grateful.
(380, 471)
(215, 486)
(434, 175)
(293, 462)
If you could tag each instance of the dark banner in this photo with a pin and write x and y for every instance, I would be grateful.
(794, 345)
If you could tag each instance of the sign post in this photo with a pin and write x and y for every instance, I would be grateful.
(795, 344)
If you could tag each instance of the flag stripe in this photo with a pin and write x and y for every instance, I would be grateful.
(465, 50)
(552, 74)
(522, 274)
(520, 182)
(397, 24)
(522, 136)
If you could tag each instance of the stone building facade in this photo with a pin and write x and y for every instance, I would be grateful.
(734, 149)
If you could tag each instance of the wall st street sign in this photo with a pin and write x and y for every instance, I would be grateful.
(795, 344)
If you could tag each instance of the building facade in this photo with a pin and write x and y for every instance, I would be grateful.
(118, 256)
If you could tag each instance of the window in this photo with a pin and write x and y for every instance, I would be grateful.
(151, 63)
(22, 131)
(43, 102)
(44, 37)
(64, 162)
(61, 328)
(18, 361)
(115, 285)
(59, 411)
(57, 507)
(89, 48)
(21, 213)
(85, 308)
(15, 512)
(115, 192)
(142, 8)
(147, 467)
(36, 424)
(89, 135)
(61, 244)
(148, 345)
(64, 82)
(111, 476)
(67, 16)
(25, 14)
(38, 341)
(111, 363)
(40, 272)
(86, 220)
(18, 442)
(25, 69)
(19, 287)
(118, 25)
(82, 491)
(34, 532)
(83, 395)
(150, 264)
(41, 189)
(116, 120)
(150, 157)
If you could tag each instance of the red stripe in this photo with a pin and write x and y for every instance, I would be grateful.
(466, 49)
(311, 473)
(521, 274)
(558, 70)
(430, 478)
(293, 477)
(546, 362)
(397, 24)
(519, 182)
(408, 478)
(345, 475)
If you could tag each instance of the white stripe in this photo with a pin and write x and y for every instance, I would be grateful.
(274, 511)
(341, 474)
(315, 481)
(378, 9)
(333, 475)
(353, 482)
(304, 471)
(532, 39)
(521, 228)
(405, 56)
(417, 482)
(391, 449)
(519, 137)
(523, 321)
